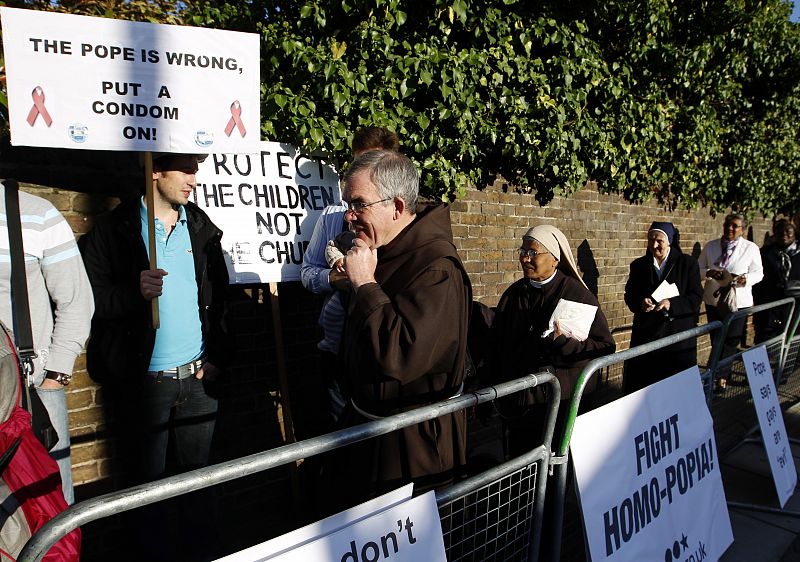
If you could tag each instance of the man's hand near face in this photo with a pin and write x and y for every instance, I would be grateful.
(360, 264)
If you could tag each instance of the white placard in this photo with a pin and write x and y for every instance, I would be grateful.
(770, 418)
(648, 476)
(404, 531)
(266, 205)
(104, 84)
(319, 529)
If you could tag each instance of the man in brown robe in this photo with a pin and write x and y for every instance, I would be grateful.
(406, 331)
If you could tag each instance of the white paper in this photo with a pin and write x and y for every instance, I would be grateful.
(648, 475)
(665, 291)
(574, 319)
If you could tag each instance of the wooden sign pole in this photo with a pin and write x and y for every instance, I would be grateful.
(283, 379)
(287, 424)
(151, 226)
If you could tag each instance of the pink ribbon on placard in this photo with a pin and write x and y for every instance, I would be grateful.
(235, 120)
(38, 108)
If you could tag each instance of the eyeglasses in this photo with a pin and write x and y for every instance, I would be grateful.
(530, 253)
(358, 206)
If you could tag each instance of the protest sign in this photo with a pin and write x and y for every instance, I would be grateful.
(266, 205)
(98, 83)
(648, 476)
(392, 527)
(773, 430)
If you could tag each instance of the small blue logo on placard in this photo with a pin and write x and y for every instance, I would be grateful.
(203, 138)
(78, 132)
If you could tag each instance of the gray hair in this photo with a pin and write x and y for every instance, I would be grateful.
(736, 216)
(392, 173)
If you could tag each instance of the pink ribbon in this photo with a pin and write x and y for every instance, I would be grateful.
(235, 120)
(38, 108)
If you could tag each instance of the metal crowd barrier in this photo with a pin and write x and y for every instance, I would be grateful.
(792, 346)
(493, 516)
(734, 419)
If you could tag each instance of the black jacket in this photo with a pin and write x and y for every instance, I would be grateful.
(780, 268)
(114, 254)
(517, 347)
(684, 271)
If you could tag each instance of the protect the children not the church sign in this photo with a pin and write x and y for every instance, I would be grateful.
(105, 84)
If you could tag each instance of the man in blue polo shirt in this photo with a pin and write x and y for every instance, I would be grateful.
(158, 380)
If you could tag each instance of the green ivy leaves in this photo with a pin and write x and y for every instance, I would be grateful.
(689, 102)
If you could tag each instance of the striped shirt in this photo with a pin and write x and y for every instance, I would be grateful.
(55, 272)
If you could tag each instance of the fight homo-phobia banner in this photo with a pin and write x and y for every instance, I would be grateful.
(103, 84)
(648, 476)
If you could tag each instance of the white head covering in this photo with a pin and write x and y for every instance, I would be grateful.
(556, 243)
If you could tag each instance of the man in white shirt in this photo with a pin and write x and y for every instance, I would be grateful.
(735, 261)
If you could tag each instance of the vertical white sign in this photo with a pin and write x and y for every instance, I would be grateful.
(770, 418)
(648, 476)
(266, 205)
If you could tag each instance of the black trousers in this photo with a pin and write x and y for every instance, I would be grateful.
(732, 338)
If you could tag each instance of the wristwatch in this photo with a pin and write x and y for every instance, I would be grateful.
(62, 378)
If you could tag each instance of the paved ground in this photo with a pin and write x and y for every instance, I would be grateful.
(761, 536)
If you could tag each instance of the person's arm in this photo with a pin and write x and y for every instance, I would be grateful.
(315, 272)
(415, 332)
(217, 339)
(704, 262)
(115, 296)
(635, 288)
(71, 294)
(755, 268)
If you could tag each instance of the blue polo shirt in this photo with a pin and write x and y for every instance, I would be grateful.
(179, 339)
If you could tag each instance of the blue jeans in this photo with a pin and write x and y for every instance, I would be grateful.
(55, 402)
(179, 414)
(179, 409)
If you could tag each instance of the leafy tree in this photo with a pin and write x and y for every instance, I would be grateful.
(689, 102)
(708, 93)
(472, 90)
(156, 11)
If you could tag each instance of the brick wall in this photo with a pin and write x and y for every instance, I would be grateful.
(605, 233)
